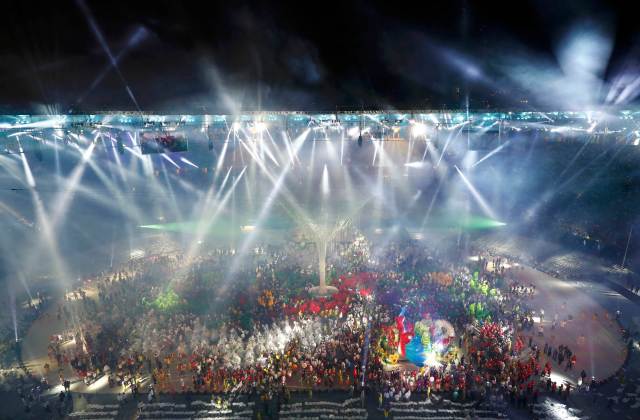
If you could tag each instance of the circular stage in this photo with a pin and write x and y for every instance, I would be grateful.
(583, 324)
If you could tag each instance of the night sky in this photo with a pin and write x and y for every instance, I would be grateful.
(220, 57)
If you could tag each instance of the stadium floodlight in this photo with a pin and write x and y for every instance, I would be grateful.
(260, 127)
(418, 129)
(353, 132)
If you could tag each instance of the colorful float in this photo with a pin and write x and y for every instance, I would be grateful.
(424, 343)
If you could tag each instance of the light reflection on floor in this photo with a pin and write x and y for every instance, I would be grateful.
(99, 384)
(557, 411)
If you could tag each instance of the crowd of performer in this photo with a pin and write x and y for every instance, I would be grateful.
(165, 324)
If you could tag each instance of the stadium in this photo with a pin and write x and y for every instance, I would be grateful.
(465, 261)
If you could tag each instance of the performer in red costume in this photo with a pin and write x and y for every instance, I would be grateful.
(405, 329)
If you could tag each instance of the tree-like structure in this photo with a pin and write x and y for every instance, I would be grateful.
(322, 235)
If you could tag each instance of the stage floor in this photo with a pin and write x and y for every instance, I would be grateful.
(600, 354)
(593, 334)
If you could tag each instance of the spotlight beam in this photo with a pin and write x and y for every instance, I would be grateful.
(325, 181)
(222, 154)
(433, 200)
(64, 199)
(573, 160)
(491, 153)
(479, 199)
(103, 43)
(171, 161)
(278, 188)
(204, 227)
(449, 138)
(188, 162)
(25, 166)
(136, 38)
